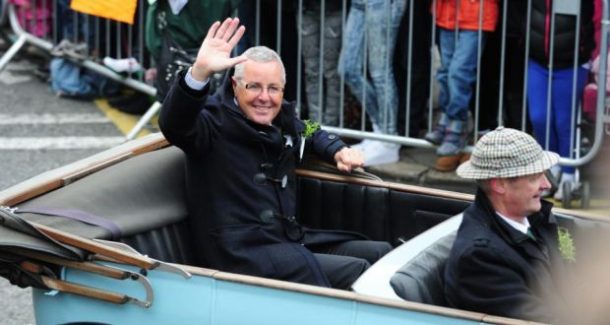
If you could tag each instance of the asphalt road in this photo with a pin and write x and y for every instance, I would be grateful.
(38, 132)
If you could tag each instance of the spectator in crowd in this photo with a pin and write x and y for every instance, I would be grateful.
(459, 48)
(72, 27)
(566, 81)
(370, 31)
(34, 16)
(506, 259)
(512, 42)
(418, 48)
(261, 21)
(322, 82)
(180, 25)
(589, 97)
(242, 145)
(67, 78)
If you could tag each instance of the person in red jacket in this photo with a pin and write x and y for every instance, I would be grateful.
(462, 26)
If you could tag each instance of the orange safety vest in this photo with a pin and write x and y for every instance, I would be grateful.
(468, 16)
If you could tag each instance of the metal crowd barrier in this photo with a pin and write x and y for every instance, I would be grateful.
(278, 32)
(3, 9)
(49, 39)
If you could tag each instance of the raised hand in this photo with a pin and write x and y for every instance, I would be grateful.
(215, 51)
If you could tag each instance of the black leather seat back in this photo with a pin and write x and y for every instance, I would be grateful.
(333, 205)
(421, 279)
(145, 197)
(378, 212)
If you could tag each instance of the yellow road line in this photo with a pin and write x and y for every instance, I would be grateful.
(123, 121)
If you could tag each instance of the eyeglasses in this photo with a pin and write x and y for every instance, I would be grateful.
(257, 89)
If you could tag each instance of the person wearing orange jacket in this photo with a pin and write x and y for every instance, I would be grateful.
(459, 23)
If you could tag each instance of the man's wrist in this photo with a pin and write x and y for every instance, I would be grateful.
(194, 83)
(343, 146)
(200, 73)
(336, 155)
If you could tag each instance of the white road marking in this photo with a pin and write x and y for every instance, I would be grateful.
(75, 118)
(17, 72)
(59, 143)
(7, 78)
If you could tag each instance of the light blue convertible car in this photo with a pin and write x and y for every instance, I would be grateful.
(123, 255)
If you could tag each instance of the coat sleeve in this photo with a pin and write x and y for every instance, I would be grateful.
(323, 143)
(483, 280)
(189, 119)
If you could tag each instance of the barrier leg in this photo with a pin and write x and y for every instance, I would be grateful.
(12, 51)
(154, 109)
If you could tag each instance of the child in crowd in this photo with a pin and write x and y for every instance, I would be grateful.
(459, 41)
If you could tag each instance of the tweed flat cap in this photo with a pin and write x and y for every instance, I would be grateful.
(504, 153)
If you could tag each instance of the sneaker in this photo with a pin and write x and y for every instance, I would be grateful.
(379, 153)
(65, 48)
(565, 178)
(437, 134)
(77, 51)
(367, 142)
(559, 194)
(456, 134)
(129, 65)
(361, 145)
(59, 49)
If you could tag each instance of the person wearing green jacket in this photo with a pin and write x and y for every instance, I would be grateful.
(175, 29)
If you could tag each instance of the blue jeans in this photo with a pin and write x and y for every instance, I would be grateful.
(82, 32)
(458, 71)
(70, 80)
(560, 128)
(325, 107)
(380, 20)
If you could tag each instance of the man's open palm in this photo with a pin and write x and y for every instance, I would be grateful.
(215, 52)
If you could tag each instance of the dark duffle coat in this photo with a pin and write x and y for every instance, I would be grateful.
(496, 269)
(241, 184)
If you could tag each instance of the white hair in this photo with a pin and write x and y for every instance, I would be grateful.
(259, 54)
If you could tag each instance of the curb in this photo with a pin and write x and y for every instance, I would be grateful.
(416, 167)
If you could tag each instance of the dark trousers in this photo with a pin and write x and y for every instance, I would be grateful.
(489, 93)
(343, 263)
(419, 67)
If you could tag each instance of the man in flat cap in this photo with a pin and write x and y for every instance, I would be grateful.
(505, 260)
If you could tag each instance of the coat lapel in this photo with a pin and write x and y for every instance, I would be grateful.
(534, 249)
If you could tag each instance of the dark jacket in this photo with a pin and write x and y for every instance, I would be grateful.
(564, 35)
(241, 184)
(496, 269)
